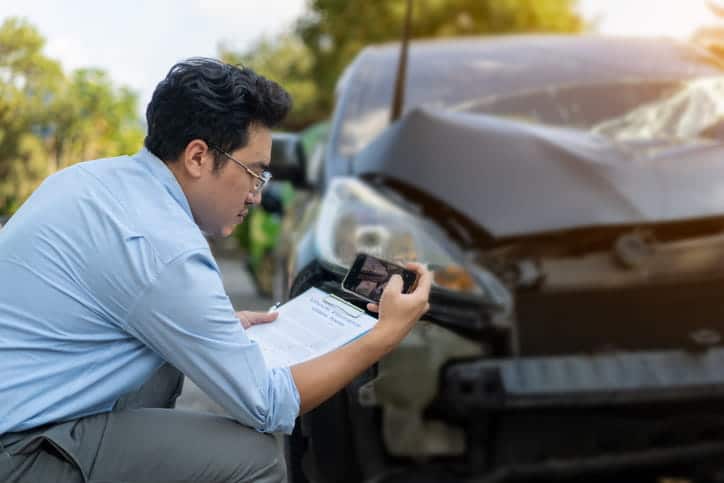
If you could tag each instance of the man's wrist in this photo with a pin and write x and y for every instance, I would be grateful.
(381, 340)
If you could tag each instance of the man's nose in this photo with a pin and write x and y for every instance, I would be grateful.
(254, 197)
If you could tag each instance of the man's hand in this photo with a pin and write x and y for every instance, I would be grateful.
(317, 379)
(248, 318)
(399, 311)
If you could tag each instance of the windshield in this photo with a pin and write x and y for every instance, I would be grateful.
(629, 111)
(591, 87)
(673, 112)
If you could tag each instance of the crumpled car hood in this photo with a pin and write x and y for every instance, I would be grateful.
(515, 178)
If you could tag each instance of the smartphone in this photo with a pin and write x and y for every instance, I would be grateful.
(369, 275)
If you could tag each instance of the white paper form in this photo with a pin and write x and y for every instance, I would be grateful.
(308, 326)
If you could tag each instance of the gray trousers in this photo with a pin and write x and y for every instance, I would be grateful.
(142, 440)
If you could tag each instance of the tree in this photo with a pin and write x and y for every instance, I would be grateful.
(335, 31)
(332, 32)
(28, 83)
(49, 120)
(91, 119)
(285, 59)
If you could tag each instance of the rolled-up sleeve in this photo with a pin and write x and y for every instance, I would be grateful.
(186, 317)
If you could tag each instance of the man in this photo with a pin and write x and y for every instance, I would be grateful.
(107, 285)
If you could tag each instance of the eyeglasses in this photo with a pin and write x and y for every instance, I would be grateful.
(260, 180)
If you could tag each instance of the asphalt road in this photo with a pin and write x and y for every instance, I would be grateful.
(244, 297)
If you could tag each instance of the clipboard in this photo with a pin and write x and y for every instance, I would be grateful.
(308, 326)
(341, 305)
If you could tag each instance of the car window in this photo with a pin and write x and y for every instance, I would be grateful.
(536, 84)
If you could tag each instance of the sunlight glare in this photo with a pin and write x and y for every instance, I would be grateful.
(668, 18)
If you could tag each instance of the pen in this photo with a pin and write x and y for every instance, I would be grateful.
(274, 307)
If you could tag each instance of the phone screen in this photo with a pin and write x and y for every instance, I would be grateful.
(369, 275)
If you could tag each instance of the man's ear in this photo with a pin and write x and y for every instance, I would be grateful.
(195, 158)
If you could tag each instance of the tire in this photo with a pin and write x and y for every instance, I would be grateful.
(326, 454)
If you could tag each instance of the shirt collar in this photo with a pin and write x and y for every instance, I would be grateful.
(162, 173)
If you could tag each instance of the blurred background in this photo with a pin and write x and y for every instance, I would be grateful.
(75, 76)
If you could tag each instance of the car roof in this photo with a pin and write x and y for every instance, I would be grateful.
(449, 72)
(522, 62)
(605, 183)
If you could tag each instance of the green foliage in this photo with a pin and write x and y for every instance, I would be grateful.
(49, 120)
(309, 60)
(92, 119)
(285, 59)
(335, 31)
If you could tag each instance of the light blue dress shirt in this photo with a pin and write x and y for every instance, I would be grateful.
(104, 275)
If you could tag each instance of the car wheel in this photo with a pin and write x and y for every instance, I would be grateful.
(321, 448)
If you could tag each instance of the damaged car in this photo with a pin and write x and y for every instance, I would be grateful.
(568, 192)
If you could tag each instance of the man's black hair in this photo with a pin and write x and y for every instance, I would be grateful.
(203, 98)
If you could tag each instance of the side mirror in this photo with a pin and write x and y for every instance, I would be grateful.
(288, 161)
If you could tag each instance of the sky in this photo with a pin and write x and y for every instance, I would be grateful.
(137, 41)
(671, 18)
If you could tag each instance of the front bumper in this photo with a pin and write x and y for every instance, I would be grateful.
(563, 417)
(546, 417)
(579, 381)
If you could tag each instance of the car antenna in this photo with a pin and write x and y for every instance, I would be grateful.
(399, 94)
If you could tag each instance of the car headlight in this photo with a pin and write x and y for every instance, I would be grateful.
(355, 218)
